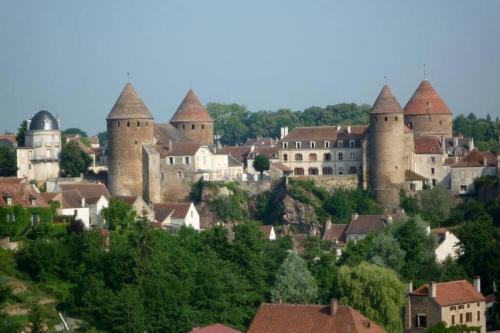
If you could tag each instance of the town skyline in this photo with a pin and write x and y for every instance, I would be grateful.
(257, 62)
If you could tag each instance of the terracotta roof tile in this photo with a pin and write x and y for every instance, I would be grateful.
(269, 152)
(130, 199)
(365, 224)
(453, 292)
(166, 133)
(426, 100)
(476, 159)
(427, 145)
(90, 191)
(71, 199)
(325, 133)
(215, 328)
(336, 232)
(238, 152)
(21, 193)
(413, 176)
(386, 102)
(191, 109)
(177, 210)
(289, 318)
(183, 149)
(129, 106)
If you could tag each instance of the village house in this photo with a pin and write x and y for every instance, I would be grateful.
(474, 165)
(268, 231)
(454, 302)
(428, 160)
(173, 215)
(215, 328)
(447, 244)
(298, 318)
(140, 207)
(71, 204)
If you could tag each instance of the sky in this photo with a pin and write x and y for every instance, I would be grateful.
(72, 57)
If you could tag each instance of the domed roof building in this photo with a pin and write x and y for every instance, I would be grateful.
(43, 120)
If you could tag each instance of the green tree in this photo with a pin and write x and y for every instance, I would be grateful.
(386, 252)
(374, 291)
(74, 130)
(436, 203)
(118, 214)
(8, 162)
(21, 133)
(261, 164)
(73, 160)
(294, 282)
(103, 138)
(441, 328)
(36, 319)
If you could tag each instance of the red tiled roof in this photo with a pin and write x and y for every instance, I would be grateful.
(71, 199)
(386, 102)
(238, 152)
(266, 230)
(183, 149)
(215, 328)
(94, 140)
(325, 133)
(178, 210)
(50, 196)
(290, 318)
(269, 152)
(427, 145)
(336, 232)
(129, 106)
(426, 100)
(365, 224)
(266, 142)
(9, 137)
(21, 192)
(476, 159)
(90, 191)
(191, 109)
(453, 292)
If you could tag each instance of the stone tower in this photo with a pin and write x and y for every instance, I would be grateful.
(192, 119)
(386, 149)
(427, 114)
(130, 125)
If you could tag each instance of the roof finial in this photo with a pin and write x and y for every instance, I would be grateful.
(425, 72)
(128, 77)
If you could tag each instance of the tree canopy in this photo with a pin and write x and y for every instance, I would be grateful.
(261, 164)
(8, 162)
(21, 133)
(74, 161)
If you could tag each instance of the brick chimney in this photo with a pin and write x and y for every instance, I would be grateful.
(477, 283)
(334, 306)
(432, 289)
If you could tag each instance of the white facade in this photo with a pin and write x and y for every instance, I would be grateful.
(431, 167)
(447, 246)
(462, 178)
(95, 211)
(174, 220)
(80, 213)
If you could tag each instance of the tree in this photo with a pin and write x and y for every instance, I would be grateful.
(374, 291)
(436, 203)
(441, 328)
(103, 138)
(294, 283)
(36, 319)
(8, 162)
(261, 164)
(386, 252)
(21, 133)
(118, 214)
(73, 160)
(74, 130)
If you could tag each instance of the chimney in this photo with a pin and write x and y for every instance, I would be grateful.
(477, 283)
(82, 202)
(432, 289)
(349, 129)
(355, 216)
(334, 306)
(485, 161)
(283, 132)
(410, 286)
(338, 127)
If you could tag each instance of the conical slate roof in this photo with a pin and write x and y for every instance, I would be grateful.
(386, 102)
(129, 106)
(191, 109)
(426, 100)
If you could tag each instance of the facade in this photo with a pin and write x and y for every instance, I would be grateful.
(448, 244)
(473, 165)
(300, 318)
(363, 225)
(139, 205)
(73, 204)
(455, 303)
(173, 215)
(268, 231)
(38, 160)
(429, 160)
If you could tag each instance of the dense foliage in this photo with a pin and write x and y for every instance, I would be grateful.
(484, 131)
(74, 161)
(8, 162)
(22, 130)
(261, 164)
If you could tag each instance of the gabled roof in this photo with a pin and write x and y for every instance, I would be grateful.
(280, 166)
(191, 109)
(291, 318)
(90, 191)
(238, 152)
(413, 176)
(130, 199)
(365, 224)
(477, 158)
(266, 230)
(215, 328)
(71, 199)
(427, 145)
(21, 193)
(177, 210)
(426, 100)
(336, 232)
(386, 102)
(166, 133)
(450, 293)
(183, 149)
(129, 106)
(270, 152)
(325, 133)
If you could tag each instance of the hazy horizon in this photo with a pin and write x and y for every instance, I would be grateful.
(72, 57)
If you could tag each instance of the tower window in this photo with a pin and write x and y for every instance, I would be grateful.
(385, 118)
(118, 123)
(396, 118)
(183, 126)
(128, 123)
(138, 124)
(193, 126)
(147, 123)
(202, 126)
(135, 141)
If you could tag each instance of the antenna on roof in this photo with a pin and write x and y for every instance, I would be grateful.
(128, 77)
(425, 72)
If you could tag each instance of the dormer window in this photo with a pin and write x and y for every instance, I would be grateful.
(327, 144)
(340, 144)
(33, 200)
(7, 197)
(285, 145)
(312, 144)
(352, 143)
(298, 144)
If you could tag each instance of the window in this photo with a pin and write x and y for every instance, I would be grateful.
(138, 124)
(340, 144)
(312, 171)
(460, 307)
(385, 118)
(434, 182)
(327, 144)
(453, 308)
(463, 189)
(171, 160)
(468, 317)
(298, 145)
(75, 212)
(452, 319)
(285, 157)
(433, 159)
(147, 124)
(298, 171)
(421, 320)
(34, 219)
(128, 123)
(313, 157)
(47, 153)
(312, 144)
(479, 316)
(186, 160)
(33, 201)
(193, 126)
(353, 170)
(118, 123)
(327, 157)
(396, 118)
(341, 156)
(162, 175)
(285, 145)
(461, 318)
(9, 201)
(340, 171)
(183, 126)
(327, 171)
(433, 171)
(180, 175)
(298, 157)
(352, 143)
(202, 127)
(352, 155)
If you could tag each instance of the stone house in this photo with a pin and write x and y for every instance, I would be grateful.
(300, 318)
(455, 303)
(474, 165)
(363, 225)
(138, 204)
(173, 215)
(71, 204)
(428, 160)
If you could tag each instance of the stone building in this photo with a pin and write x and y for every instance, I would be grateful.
(475, 164)
(454, 302)
(38, 159)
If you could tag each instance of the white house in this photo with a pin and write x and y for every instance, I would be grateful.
(447, 244)
(476, 164)
(268, 231)
(173, 215)
(73, 204)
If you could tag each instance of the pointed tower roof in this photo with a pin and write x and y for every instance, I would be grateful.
(386, 102)
(191, 109)
(129, 106)
(426, 100)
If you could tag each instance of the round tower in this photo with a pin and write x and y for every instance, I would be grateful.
(386, 149)
(192, 119)
(426, 113)
(129, 125)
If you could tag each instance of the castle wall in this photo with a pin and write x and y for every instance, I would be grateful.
(439, 125)
(199, 132)
(151, 174)
(125, 140)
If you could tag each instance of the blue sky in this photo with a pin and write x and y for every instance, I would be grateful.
(72, 57)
